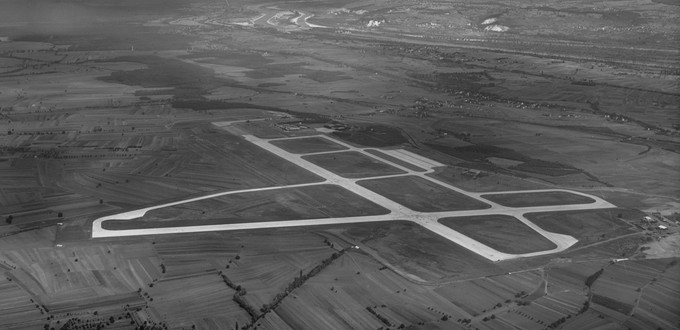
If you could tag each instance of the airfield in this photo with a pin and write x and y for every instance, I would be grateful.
(339, 165)
(397, 211)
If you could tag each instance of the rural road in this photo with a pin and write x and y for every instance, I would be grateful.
(429, 220)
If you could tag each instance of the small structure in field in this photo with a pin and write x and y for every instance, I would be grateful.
(336, 127)
(472, 172)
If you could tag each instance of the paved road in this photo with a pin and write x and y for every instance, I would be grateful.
(428, 220)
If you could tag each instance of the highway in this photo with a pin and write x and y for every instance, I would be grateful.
(428, 220)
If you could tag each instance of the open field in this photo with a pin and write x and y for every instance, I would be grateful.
(17, 310)
(659, 300)
(587, 226)
(384, 298)
(438, 259)
(488, 293)
(351, 164)
(484, 183)
(421, 195)
(114, 170)
(335, 301)
(538, 199)
(621, 284)
(205, 298)
(307, 202)
(307, 145)
(501, 232)
(621, 296)
(373, 136)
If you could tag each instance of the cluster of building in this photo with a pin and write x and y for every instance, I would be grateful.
(652, 220)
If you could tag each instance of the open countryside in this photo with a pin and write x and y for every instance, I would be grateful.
(248, 164)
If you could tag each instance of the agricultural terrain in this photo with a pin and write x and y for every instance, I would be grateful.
(339, 165)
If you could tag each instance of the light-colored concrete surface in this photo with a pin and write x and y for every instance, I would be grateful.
(418, 160)
(428, 220)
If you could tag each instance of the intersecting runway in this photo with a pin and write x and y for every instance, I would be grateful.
(428, 220)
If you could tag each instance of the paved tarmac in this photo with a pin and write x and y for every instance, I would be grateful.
(428, 220)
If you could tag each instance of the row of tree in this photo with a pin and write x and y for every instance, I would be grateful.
(256, 315)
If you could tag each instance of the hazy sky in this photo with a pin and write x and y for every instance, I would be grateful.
(64, 17)
(78, 11)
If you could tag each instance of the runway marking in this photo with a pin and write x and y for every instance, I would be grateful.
(429, 220)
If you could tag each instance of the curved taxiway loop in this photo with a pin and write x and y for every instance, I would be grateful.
(429, 220)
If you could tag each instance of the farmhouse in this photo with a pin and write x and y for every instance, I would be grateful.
(648, 219)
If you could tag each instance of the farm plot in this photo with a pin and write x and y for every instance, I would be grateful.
(479, 296)
(204, 245)
(590, 320)
(659, 302)
(263, 262)
(519, 320)
(352, 164)
(308, 202)
(538, 313)
(253, 161)
(189, 255)
(97, 269)
(613, 304)
(186, 266)
(565, 302)
(538, 199)
(354, 292)
(620, 280)
(586, 226)
(570, 276)
(266, 275)
(17, 311)
(307, 145)
(421, 194)
(519, 284)
(206, 301)
(400, 242)
(501, 232)
(622, 285)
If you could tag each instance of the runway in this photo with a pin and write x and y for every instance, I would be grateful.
(428, 220)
